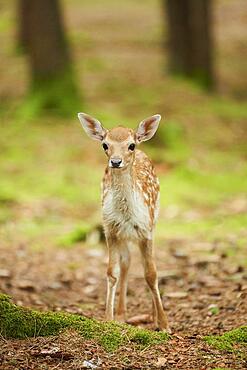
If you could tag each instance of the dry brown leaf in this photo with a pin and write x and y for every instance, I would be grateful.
(176, 294)
(4, 273)
(139, 319)
(161, 361)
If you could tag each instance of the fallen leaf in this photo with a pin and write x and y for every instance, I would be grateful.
(139, 319)
(4, 273)
(176, 294)
(204, 261)
(179, 254)
(208, 281)
(91, 291)
(178, 337)
(89, 365)
(26, 285)
(50, 351)
(161, 361)
(95, 253)
(55, 285)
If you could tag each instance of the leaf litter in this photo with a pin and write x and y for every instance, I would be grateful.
(200, 299)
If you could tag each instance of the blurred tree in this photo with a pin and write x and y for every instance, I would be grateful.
(190, 39)
(42, 36)
(23, 13)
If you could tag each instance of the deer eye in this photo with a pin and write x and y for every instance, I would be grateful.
(131, 147)
(105, 146)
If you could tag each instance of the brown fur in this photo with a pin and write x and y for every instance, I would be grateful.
(119, 133)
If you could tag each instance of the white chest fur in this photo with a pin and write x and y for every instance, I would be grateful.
(124, 209)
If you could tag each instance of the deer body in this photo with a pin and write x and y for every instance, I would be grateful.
(125, 202)
(130, 202)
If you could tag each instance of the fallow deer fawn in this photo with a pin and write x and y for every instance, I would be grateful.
(130, 202)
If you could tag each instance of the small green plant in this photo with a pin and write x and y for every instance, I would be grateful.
(214, 310)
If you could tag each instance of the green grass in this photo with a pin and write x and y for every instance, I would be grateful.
(19, 322)
(213, 226)
(52, 162)
(228, 340)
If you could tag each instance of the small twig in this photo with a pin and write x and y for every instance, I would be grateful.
(145, 349)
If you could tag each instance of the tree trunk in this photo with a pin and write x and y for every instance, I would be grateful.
(52, 78)
(190, 39)
(23, 34)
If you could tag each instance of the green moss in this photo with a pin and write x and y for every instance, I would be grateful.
(79, 234)
(228, 339)
(19, 322)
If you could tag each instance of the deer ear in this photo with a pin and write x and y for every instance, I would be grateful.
(92, 126)
(147, 128)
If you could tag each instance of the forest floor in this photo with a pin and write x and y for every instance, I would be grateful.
(203, 292)
(50, 197)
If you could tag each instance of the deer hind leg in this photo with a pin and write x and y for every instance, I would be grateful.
(152, 281)
(154, 314)
(123, 282)
(113, 272)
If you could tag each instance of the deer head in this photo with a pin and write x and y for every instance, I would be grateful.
(120, 142)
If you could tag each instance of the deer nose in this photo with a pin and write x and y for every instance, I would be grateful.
(115, 162)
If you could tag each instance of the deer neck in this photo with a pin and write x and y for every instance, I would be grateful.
(122, 179)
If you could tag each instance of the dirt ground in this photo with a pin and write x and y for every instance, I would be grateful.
(203, 292)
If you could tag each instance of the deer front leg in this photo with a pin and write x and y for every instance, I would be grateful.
(113, 271)
(152, 281)
(123, 282)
